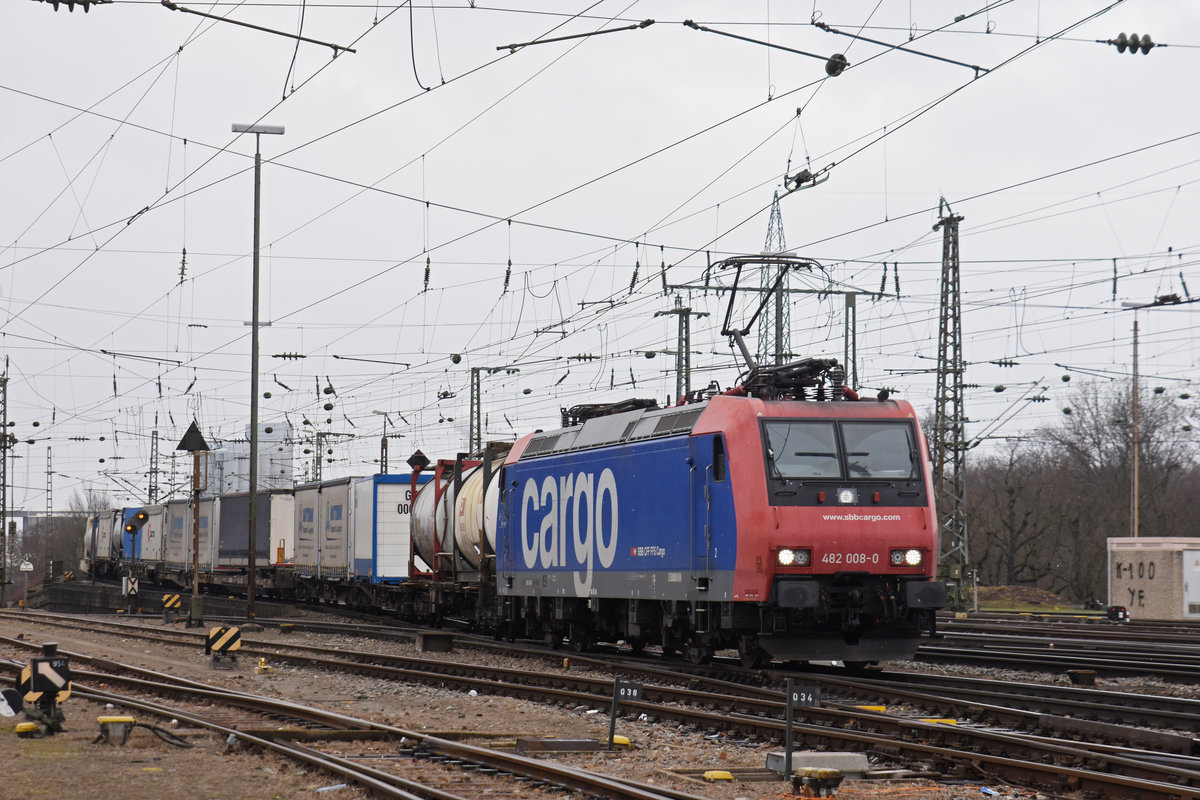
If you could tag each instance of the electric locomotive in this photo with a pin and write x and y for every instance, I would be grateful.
(802, 530)
(784, 518)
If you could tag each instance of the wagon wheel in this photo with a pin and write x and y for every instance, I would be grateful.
(699, 653)
(751, 654)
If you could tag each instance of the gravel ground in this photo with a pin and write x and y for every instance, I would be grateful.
(70, 766)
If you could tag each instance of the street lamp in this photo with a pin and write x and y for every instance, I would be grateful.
(258, 131)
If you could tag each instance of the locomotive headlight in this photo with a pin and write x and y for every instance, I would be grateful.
(847, 497)
(793, 557)
(907, 558)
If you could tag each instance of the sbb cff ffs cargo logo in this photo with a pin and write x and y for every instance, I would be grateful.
(570, 522)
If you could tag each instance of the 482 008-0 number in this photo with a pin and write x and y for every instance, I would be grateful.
(850, 558)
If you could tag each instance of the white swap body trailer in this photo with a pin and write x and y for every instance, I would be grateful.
(322, 513)
(379, 524)
(180, 531)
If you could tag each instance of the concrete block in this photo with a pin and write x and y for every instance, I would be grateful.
(433, 642)
(852, 765)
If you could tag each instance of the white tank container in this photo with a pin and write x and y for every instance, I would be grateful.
(430, 524)
(491, 510)
(468, 516)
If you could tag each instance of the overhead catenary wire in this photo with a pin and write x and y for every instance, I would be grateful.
(654, 243)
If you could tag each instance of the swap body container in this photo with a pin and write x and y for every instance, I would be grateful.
(274, 527)
(322, 518)
(154, 536)
(381, 539)
(179, 533)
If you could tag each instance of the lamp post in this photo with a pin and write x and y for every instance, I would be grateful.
(251, 567)
(1135, 432)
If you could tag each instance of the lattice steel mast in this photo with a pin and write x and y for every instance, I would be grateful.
(949, 439)
(152, 491)
(683, 347)
(774, 325)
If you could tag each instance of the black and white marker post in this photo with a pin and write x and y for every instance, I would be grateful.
(799, 695)
(622, 690)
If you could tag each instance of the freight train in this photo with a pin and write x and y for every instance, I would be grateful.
(794, 529)
(784, 519)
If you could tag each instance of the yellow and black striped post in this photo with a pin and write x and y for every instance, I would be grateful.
(220, 644)
(171, 606)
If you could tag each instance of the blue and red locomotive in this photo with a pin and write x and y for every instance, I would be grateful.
(794, 529)
(785, 518)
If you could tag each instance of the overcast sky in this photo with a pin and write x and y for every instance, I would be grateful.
(416, 168)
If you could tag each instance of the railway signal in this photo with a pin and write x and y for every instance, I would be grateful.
(43, 685)
(134, 524)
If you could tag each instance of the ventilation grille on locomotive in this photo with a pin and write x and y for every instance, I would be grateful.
(616, 429)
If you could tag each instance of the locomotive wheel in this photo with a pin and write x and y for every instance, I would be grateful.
(751, 654)
(553, 640)
(699, 653)
(637, 645)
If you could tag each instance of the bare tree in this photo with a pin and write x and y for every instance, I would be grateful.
(1040, 511)
(1007, 515)
(1082, 493)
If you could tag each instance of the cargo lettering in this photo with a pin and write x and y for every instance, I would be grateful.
(574, 529)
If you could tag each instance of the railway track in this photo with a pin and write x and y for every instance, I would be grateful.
(282, 727)
(1112, 760)
(1058, 710)
(1049, 654)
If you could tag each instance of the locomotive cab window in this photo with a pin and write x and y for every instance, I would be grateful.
(718, 459)
(811, 462)
(799, 450)
(880, 450)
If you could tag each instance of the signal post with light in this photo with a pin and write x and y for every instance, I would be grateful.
(133, 527)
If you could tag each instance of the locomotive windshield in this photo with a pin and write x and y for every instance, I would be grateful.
(801, 450)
